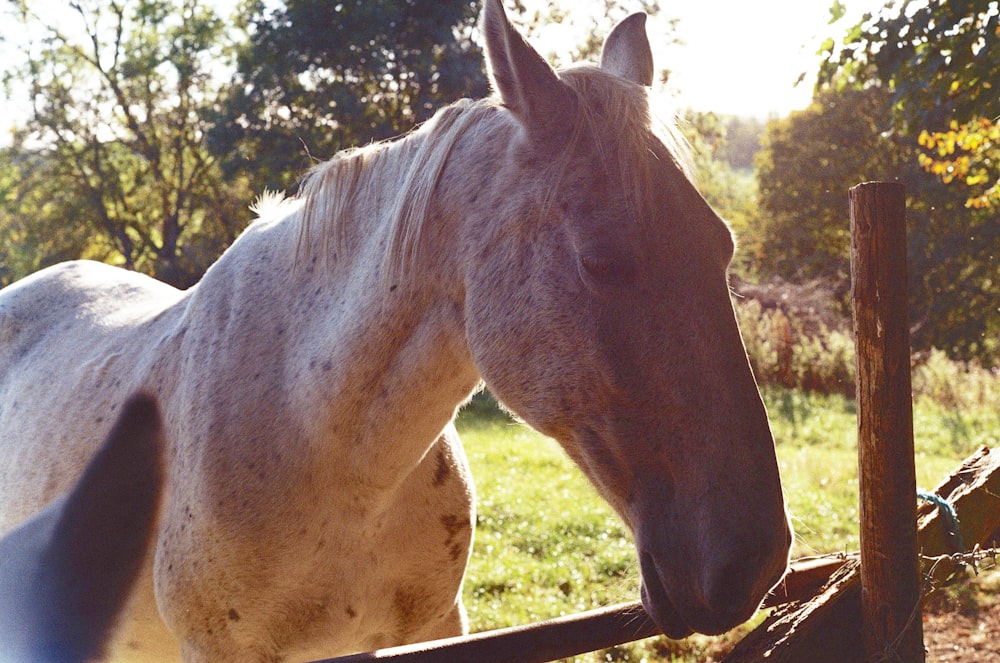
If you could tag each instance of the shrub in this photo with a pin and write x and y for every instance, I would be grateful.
(795, 353)
(797, 341)
(953, 384)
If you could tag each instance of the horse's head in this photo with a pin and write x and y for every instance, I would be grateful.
(598, 309)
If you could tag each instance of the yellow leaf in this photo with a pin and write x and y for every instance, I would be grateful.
(977, 178)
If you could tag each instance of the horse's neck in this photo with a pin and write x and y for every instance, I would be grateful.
(374, 367)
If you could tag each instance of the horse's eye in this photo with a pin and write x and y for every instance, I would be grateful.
(595, 263)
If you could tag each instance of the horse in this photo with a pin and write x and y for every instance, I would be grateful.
(546, 242)
(65, 572)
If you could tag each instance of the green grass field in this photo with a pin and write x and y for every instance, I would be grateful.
(547, 545)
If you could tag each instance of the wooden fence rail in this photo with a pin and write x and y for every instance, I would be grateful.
(576, 634)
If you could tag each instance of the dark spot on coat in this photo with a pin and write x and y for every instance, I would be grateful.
(456, 551)
(233, 615)
(350, 612)
(409, 608)
(453, 525)
(443, 470)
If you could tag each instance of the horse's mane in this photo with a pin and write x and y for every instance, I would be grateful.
(409, 168)
(613, 113)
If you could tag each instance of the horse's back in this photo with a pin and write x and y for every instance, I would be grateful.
(72, 348)
(55, 301)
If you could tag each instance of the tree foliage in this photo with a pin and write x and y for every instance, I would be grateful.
(317, 76)
(38, 223)
(720, 147)
(939, 59)
(114, 145)
(809, 162)
(936, 63)
(969, 154)
(934, 55)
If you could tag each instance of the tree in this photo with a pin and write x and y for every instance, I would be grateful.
(720, 147)
(34, 231)
(940, 62)
(807, 164)
(316, 77)
(742, 144)
(118, 99)
(968, 154)
(935, 56)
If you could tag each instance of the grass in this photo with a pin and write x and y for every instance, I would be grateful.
(546, 544)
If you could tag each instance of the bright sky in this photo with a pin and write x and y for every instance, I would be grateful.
(739, 57)
(743, 58)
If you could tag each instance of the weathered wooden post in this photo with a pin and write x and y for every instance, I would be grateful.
(892, 627)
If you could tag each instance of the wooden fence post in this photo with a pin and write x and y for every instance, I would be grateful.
(892, 628)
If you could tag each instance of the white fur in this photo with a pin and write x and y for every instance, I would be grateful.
(319, 501)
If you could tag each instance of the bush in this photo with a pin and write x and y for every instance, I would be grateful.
(953, 384)
(797, 338)
(794, 353)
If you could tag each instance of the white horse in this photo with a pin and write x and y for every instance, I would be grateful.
(65, 572)
(318, 501)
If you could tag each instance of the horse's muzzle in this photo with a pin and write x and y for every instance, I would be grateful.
(722, 600)
(658, 605)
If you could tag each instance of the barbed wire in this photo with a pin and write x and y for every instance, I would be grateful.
(961, 560)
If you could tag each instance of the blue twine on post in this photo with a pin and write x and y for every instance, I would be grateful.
(947, 510)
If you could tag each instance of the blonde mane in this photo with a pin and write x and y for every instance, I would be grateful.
(613, 114)
(410, 167)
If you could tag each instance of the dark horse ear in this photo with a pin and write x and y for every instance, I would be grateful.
(528, 86)
(100, 539)
(626, 51)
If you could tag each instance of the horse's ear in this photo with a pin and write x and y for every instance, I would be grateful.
(626, 51)
(528, 86)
